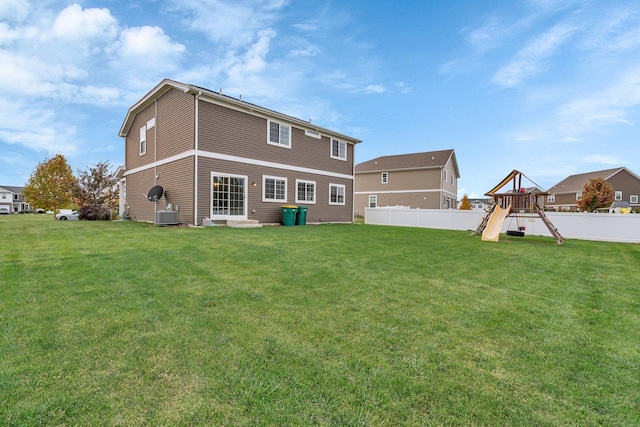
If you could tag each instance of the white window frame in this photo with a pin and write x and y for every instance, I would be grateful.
(384, 177)
(618, 196)
(633, 199)
(453, 179)
(373, 198)
(445, 175)
(306, 182)
(264, 189)
(342, 149)
(282, 142)
(578, 195)
(143, 140)
(551, 198)
(344, 194)
(312, 133)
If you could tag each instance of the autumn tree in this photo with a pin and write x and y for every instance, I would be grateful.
(96, 186)
(51, 184)
(596, 194)
(465, 204)
(96, 192)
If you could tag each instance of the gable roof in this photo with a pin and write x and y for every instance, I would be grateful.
(229, 101)
(11, 189)
(426, 160)
(574, 183)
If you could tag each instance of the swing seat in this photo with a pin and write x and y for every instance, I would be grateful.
(515, 233)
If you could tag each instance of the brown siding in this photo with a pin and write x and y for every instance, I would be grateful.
(270, 212)
(627, 183)
(175, 123)
(227, 131)
(133, 159)
(421, 200)
(137, 205)
(177, 180)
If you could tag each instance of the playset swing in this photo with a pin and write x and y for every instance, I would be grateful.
(520, 204)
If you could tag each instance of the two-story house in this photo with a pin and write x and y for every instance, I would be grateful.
(221, 158)
(11, 200)
(419, 180)
(564, 196)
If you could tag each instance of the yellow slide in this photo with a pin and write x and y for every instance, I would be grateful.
(491, 232)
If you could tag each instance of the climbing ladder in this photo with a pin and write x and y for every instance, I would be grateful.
(547, 222)
(485, 220)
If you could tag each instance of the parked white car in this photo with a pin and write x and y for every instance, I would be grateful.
(64, 216)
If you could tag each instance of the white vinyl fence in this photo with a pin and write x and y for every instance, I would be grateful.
(572, 225)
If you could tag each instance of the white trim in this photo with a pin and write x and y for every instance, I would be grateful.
(151, 123)
(633, 198)
(196, 138)
(275, 178)
(375, 196)
(344, 195)
(384, 177)
(340, 144)
(616, 194)
(437, 190)
(245, 191)
(245, 160)
(315, 191)
(280, 125)
(313, 133)
(143, 140)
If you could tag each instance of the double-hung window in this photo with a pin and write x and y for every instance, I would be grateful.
(373, 201)
(279, 134)
(305, 191)
(274, 189)
(579, 195)
(336, 194)
(633, 199)
(338, 149)
(385, 177)
(618, 195)
(551, 198)
(143, 140)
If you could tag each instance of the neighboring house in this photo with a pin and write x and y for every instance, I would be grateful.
(477, 204)
(564, 196)
(11, 200)
(221, 158)
(419, 180)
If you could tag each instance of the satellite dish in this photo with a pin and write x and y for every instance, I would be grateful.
(155, 193)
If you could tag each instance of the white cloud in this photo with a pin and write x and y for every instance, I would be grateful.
(374, 89)
(601, 159)
(14, 10)
(530, 60)
(148, 45)
(83, 25)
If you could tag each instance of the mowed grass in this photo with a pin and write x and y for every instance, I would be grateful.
(122, 323)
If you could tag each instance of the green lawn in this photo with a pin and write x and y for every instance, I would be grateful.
(121, 323)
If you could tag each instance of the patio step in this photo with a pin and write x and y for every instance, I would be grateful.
(245, 223)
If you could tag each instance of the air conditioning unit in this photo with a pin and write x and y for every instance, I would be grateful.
(166, 218)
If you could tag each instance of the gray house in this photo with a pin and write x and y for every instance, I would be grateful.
(223, 159)
(426, 180)
(12, 201)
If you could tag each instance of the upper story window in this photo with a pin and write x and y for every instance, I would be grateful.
(551, 198)
(445, 175)
(4, 195)
(336, 194)
(385, 177)
(453, 180)
(305, 191)
(279, 134)
(274, 189)
(338, 149)
(143, 140)
(618, 195)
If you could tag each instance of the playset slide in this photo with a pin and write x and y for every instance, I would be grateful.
(491, 232)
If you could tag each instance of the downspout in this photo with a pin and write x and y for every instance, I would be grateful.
(155, 142)
(353, 185)
(196, 97)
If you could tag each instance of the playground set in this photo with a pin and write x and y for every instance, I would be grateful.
(519, 203)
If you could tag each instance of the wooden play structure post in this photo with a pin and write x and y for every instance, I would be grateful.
(517, 202)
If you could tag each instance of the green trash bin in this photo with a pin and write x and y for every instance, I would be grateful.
(302, 215)
(289, 214)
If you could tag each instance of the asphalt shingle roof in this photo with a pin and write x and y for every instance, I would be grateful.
(428, 159)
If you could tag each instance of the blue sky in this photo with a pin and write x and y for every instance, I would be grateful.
(548, 87)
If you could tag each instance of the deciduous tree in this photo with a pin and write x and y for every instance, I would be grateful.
(596, 194)
(465, 204)
(96, 186)
(51, 184)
